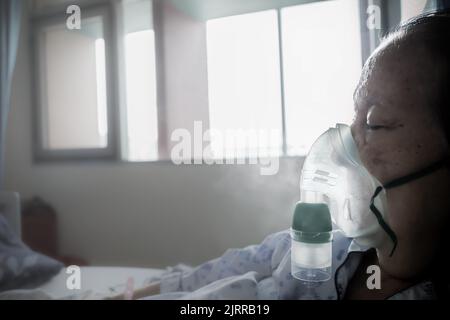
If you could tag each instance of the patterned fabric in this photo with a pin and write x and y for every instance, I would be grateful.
(264, 272)
(20, 267)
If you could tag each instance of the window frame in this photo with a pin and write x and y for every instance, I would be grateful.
(112, 149)
(369, 41)
(115, 69)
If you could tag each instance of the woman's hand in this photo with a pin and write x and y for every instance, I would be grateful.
(150, 290)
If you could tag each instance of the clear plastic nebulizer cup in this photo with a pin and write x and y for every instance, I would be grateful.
(311, 242)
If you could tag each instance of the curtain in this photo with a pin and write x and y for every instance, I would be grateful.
(433, 5)
(10, 20)
(443, 4)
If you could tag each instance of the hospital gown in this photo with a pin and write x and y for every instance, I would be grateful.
(264, 272)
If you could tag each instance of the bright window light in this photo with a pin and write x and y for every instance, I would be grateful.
(73, 86)
(244, 84)
(141, 96)
(101, 91)
(322, 65)
(410, 8)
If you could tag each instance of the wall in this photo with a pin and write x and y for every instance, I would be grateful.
(149, 214)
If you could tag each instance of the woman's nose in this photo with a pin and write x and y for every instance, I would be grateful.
(356, 130)
(353, 126)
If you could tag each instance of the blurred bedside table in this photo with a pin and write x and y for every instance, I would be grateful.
(40, 231)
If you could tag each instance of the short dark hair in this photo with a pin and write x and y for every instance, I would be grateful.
(433, 30)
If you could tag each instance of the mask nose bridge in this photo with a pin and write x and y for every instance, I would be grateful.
(344, 143)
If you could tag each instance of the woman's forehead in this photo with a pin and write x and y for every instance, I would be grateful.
(395, 77)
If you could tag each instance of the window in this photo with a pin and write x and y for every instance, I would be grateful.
(79, 58)
(141, 103)
(410, 8)
(75, 102)
(321, 64)
(80, 115)
(277, 77)
(243, 79)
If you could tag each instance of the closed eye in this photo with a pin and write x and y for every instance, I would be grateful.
(374, 127)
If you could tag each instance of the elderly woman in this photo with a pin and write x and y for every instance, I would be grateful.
(401, 126)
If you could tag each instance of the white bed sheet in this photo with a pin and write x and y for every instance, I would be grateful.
(99, 281)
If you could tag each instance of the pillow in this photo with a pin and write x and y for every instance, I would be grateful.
(21, 267)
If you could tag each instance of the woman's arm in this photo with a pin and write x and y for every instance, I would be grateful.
(150, 290)
(261, 259)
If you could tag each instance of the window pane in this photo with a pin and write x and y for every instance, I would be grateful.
(141, 96)
(410, 8)
(244, 83)
(322, 64)
(74, 98)
(142, 129)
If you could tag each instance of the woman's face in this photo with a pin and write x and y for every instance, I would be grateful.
(394, 126)
(397, 133)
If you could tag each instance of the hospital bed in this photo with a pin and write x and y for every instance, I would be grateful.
(95, 281)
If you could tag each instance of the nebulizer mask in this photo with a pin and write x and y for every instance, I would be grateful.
(335, 187)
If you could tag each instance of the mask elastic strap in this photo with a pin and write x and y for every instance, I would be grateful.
(416, 175)
(381, 221)
(398, 182)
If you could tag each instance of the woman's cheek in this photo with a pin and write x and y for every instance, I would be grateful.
(371, 147)
(387, 158)
(375, 157)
